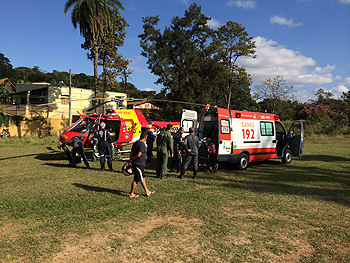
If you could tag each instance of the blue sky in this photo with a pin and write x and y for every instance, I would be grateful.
(305, 41)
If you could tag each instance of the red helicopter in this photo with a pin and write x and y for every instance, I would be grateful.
(124, 125)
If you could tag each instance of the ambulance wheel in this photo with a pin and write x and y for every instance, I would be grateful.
(243, 161)
(287, 158)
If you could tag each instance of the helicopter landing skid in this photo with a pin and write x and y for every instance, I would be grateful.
(117, 156)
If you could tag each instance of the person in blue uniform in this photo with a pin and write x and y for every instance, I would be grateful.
(149, 142)
(78, 147)
(176, 160)
(191, 144)
(103, 139)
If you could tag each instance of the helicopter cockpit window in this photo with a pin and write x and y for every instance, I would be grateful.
(83, 126)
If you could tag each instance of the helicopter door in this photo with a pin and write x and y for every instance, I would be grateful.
(188, 120)
(296, 138)
(126, 133)
(94, 127)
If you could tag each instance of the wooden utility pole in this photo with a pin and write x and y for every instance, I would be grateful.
(70, 97)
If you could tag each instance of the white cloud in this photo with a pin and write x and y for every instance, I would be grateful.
(213, 23)
(184, 2)
(245, 4)
(337, 91)
(344, 1)
(338, 77)
(326, 69)
(283, 21)
(347, 81)
(273, 60)
(148, 89)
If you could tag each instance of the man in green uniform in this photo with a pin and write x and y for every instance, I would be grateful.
(164, 145)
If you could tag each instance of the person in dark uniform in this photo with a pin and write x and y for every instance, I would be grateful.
(138, 158)
(77, 148)
(104, 139)
(149, 141)
(212, 150)
(178, 149)
(191, 144)
(164, 145)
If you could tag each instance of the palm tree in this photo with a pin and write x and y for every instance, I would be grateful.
(95, 19)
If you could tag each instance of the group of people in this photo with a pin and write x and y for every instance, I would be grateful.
(102, 141)
(168, 145)
(176, 146)
(5, 133)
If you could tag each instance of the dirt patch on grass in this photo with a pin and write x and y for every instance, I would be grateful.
(154, 240)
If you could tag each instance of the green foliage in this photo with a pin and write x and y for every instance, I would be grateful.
(6, 70)
(196, 63)
(322, 119)
(96, 19)
(4, 120)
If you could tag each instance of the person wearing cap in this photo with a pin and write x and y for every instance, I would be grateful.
(138, 157)
(191, 144)
(103, 138)
(78, 147)
(149, 141)
(164, 145)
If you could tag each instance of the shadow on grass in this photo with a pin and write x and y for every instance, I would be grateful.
(20, 156)
(51, 156)
(79, 166)
(52, 149)
(324, 158)
(100, 189)
(275, 177)
(340, 196)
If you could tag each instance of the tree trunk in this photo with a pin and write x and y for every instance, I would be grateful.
(104, 85)
(95, 72)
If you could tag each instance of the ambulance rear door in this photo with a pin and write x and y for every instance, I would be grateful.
(188, 120)
(295, 138)
(224, 140)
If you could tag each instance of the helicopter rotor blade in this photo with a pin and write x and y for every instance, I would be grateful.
(98, 105)
(115, 99)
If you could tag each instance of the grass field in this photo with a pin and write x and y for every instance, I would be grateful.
(271, 212)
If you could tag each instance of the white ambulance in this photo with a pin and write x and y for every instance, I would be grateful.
(242, 137)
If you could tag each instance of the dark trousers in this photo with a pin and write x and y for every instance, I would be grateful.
(187, 163)
(149, 152)
(176, 161)
(213, 161)
(74, 156)
(105, 153)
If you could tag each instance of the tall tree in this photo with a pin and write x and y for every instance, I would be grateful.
(231, 42)
(191, 61)
(180, 56)
(95, 20)
(112, 62)
(6, 70)
(273, 92)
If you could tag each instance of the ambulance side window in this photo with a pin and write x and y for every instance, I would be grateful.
(266, 128)
(225, 126)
